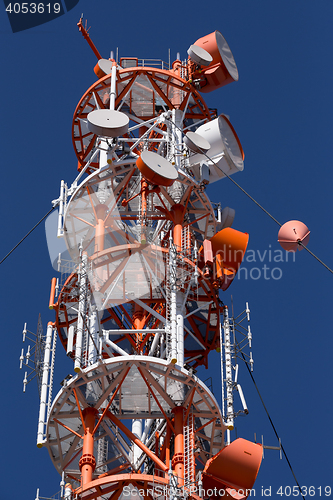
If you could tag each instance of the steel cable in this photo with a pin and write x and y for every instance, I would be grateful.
(12, 250)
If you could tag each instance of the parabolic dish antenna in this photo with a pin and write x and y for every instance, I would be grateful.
(222, 70)
(226, 55)
(107, 122)
(199, 55)
(156, 169)
(221, 136)
(196, 143)
(103, 67)
(225, 152)
(231, 142)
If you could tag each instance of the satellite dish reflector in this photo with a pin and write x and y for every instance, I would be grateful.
(156, 169)
(196, 143)
(225, 153)
(103, 67)
(229, 245)
(107, 122)
(237, 465)
(227, 217)
(222, 70)
(291, 233)
(199, 55)
(58, 252)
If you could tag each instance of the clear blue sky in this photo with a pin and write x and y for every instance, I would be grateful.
(282, 111)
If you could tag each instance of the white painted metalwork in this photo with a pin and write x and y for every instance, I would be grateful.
(33, 359)
(45, 382)
(93, 336)
(81, 328)
(62, 199)
(52, 366)
(137, 431)
(171, 385)
(173, 299)
(229, 418)
(180, 327)
(133, 269)
(233, 346)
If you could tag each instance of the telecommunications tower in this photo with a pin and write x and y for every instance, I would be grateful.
(143, 258)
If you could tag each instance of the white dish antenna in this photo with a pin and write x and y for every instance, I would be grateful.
(196, 143)
(226, 154)
(199, 55)
(108, 122)
(103, 67)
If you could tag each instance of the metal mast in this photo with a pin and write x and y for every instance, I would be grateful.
(140, 309)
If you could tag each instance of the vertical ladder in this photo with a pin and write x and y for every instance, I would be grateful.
(54, 344)
(189, 462)
(167, 308)
(102, 455)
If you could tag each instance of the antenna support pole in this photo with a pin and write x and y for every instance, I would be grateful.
(86, 36)
(88, 462)
(43, 396)
(228, 370)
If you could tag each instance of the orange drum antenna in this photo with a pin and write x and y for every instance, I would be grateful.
(143, 258)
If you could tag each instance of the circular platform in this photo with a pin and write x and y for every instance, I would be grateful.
(144, 93)
(133, 485)
(146, 388)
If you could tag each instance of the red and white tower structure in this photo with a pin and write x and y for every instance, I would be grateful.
(145, 259)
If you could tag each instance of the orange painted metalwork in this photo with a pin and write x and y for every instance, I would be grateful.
(101, 212)
(52, 293)
(219, 266)
(79, 408)
(208, 337)
(157, 440)
(68, 428)
(87, 462)
(178, 457)
(176, 100)
(139, 320)
(167, 446)
(104, 485)
(148, 96)
(178, 217)
(157, 402)
(137, 441)
(84, 141)
(204, 425)
(110, 402)
(144, 195)
(86, 36)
